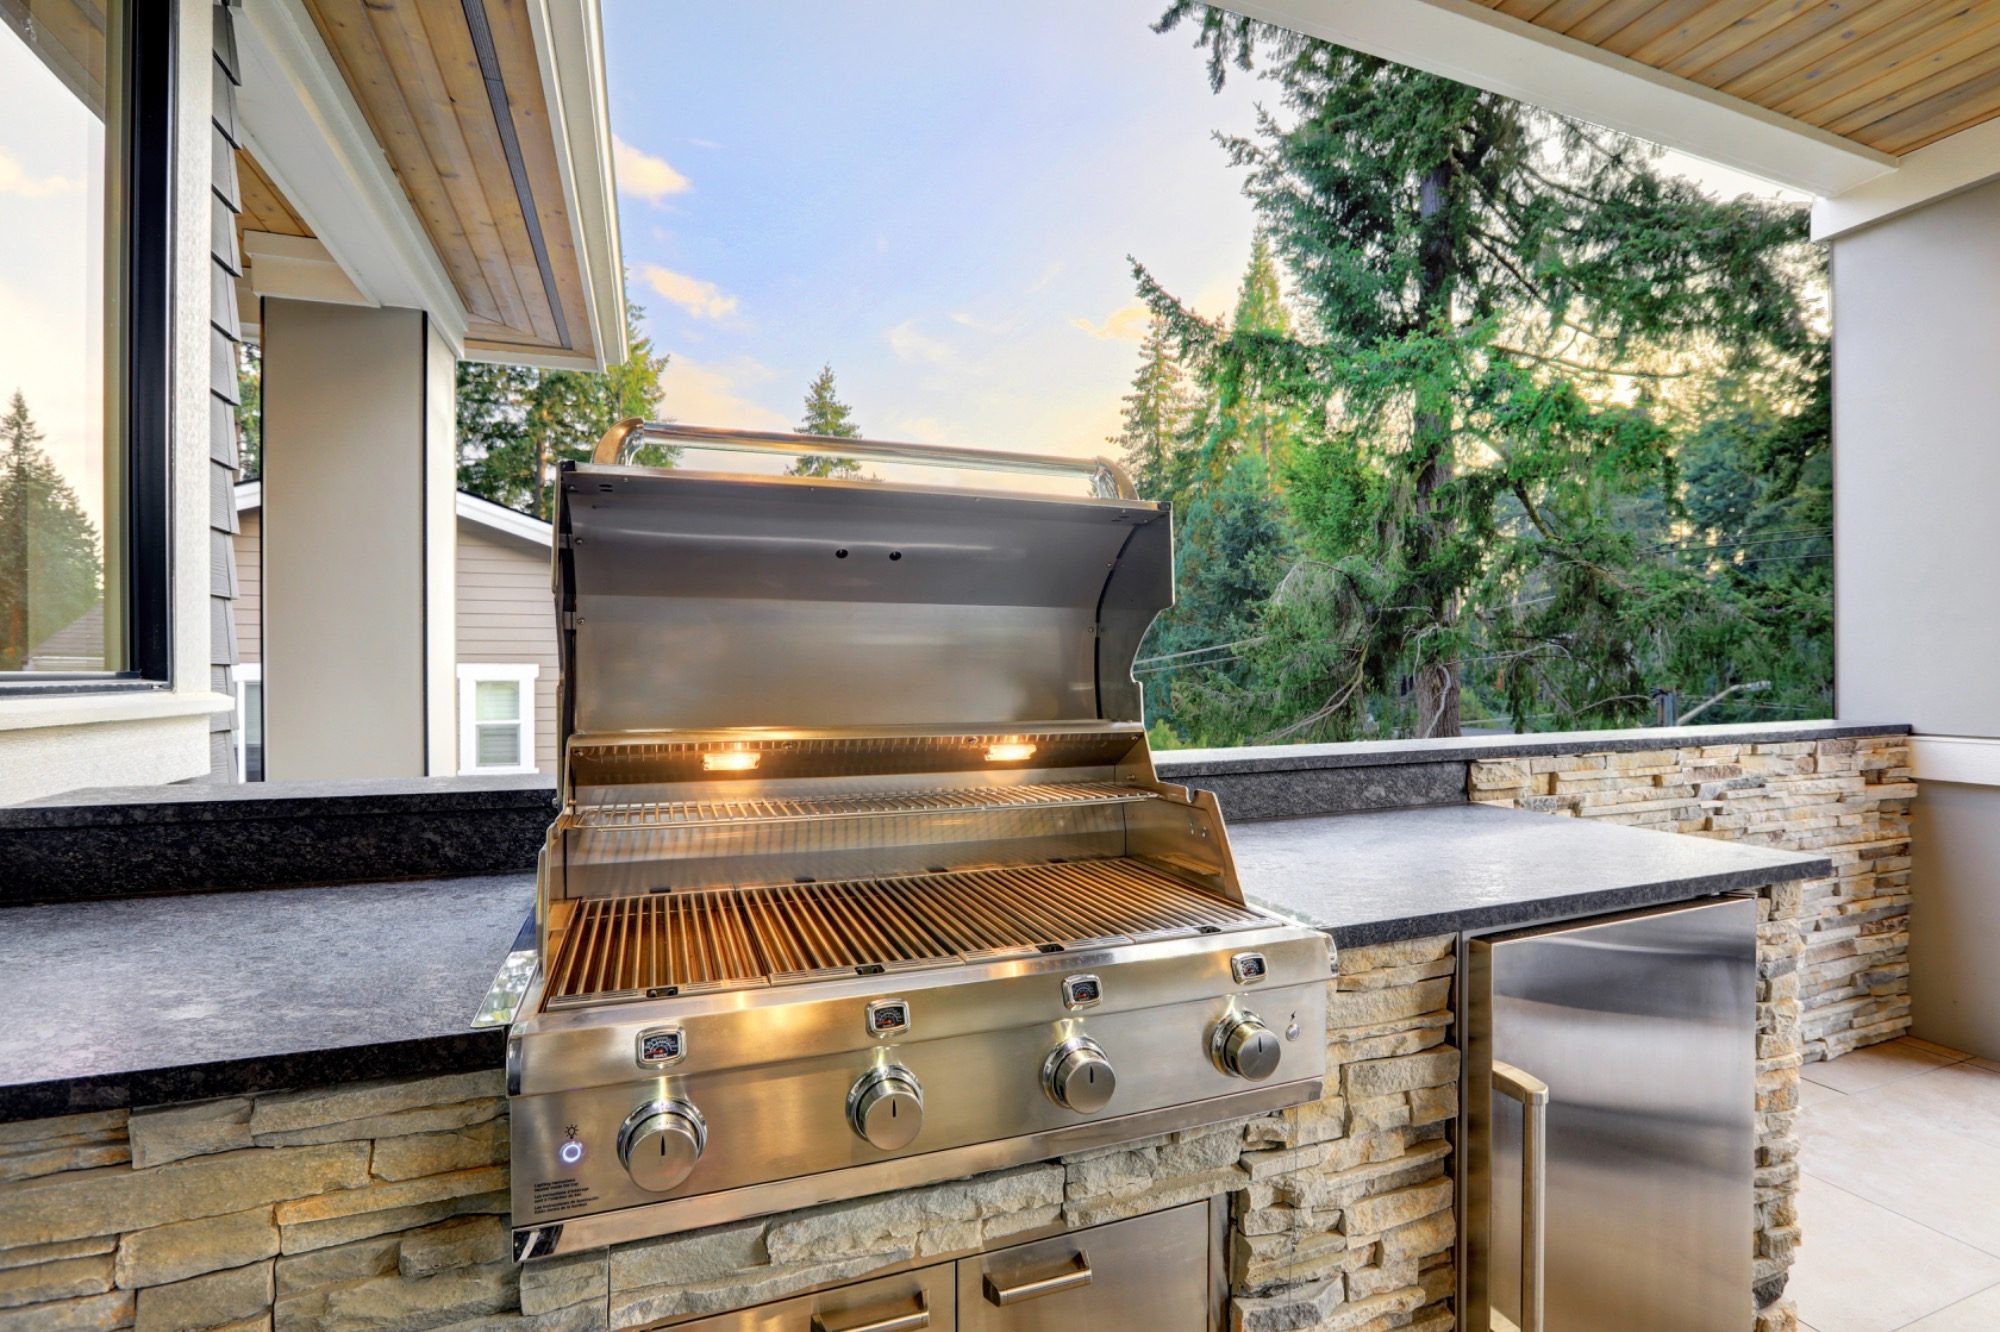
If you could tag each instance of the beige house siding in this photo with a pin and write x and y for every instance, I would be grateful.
(250, 587)
(506, 614)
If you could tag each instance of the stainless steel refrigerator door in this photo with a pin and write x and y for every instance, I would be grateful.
(1644, 1028)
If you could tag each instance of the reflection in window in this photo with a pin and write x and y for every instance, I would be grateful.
(61, 342)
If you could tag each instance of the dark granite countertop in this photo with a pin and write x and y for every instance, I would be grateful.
(1397, 874)
(148, 1000)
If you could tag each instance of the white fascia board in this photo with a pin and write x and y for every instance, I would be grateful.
(249, 496)
(500, 518)
(1464, 40)
(1968, 158)
(533, 358)
(569, 46)
(304, 127)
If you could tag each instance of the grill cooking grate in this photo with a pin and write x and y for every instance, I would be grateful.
(683, 813)
(745, 936)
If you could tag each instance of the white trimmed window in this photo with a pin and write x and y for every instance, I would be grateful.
(496, 717)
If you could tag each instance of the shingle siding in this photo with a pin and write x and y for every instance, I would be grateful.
(224, 335)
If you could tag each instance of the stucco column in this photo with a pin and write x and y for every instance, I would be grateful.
(359, 542)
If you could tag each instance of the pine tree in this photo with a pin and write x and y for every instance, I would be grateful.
(1486, 284)
(249, 411)
(516, 425)
(829, 417)
(1156, 412)
(51, 566)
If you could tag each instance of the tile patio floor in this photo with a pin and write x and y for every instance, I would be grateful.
(1900, 1196)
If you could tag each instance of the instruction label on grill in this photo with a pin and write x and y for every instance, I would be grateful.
(561, 1195)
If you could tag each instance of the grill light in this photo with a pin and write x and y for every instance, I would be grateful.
(730, 760)
(1012, 751)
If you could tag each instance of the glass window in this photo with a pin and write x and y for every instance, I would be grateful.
(496, 717)
(70, 180)
(250, 722)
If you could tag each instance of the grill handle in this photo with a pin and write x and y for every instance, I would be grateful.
(1108, 480)
(916, 1319)
(1078, 1275)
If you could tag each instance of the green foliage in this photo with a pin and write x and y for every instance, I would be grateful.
(828, 416)
(517, 425)
(1516, 332)
(249, 411)
(51, 569)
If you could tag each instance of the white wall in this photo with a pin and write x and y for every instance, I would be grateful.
(1916, 401)
(349, 454)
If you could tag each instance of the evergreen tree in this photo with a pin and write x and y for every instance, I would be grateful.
(1487, 283)
(516, 425)
(1156, 412)
(51, 565)
(827, 416)
(249, 411)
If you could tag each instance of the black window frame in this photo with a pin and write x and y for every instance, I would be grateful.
(147, 165)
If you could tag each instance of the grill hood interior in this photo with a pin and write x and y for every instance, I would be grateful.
(694, 602)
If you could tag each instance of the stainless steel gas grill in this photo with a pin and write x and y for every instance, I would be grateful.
(862, 877)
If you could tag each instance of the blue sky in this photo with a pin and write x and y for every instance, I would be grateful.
(936, 198)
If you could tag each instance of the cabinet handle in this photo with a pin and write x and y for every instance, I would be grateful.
(903, 1322)
(1078, 1276)
(1533, 1094)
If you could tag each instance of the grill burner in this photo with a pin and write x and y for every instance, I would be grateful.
(625, 947)
(686, 813)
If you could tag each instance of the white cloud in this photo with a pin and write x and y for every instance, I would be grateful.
(703, 300)
(18, 183)
(1125, 324)
(643, 175)
(967, 319)
(912, 345)
(697, 393)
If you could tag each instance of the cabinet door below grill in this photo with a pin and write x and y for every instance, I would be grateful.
(1150, 1272)
(908, 1302)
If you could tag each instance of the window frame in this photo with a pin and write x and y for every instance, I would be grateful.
(471, 674)
(147, 166)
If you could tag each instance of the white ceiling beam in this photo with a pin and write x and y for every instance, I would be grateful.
(1968, 158)
(305, 129)
(1464, 40)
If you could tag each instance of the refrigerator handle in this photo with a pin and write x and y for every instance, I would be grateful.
(1533, 1094)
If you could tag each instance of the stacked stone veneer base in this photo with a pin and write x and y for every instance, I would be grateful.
(383, 1205)
(1846, 799)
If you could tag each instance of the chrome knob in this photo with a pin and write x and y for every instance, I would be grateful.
(1244, 1046)
(886, 1107)
(660, 1143)
(1078, 1076)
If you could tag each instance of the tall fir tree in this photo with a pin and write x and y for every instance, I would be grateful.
(829, 417)
(1156, 412)
(517, 425)
(51, 563)
(1501, 302)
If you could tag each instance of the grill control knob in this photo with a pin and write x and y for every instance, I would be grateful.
(1078, 1076)
(660, 1143)
(1244, 1046)
(886, 1107)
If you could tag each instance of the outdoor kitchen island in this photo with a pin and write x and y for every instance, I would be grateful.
(374, 1194)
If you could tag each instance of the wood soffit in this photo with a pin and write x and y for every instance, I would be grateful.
(453, 92)
(1892, 75)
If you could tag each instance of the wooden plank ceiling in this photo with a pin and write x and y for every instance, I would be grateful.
(1892, 75)
(484, 182)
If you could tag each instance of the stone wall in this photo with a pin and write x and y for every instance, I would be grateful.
(383, 1205)
(1847, 799)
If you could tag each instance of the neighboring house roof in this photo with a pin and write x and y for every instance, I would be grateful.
(77, 646)
(471, 509)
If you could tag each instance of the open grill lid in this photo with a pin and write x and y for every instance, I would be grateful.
(698, 602)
